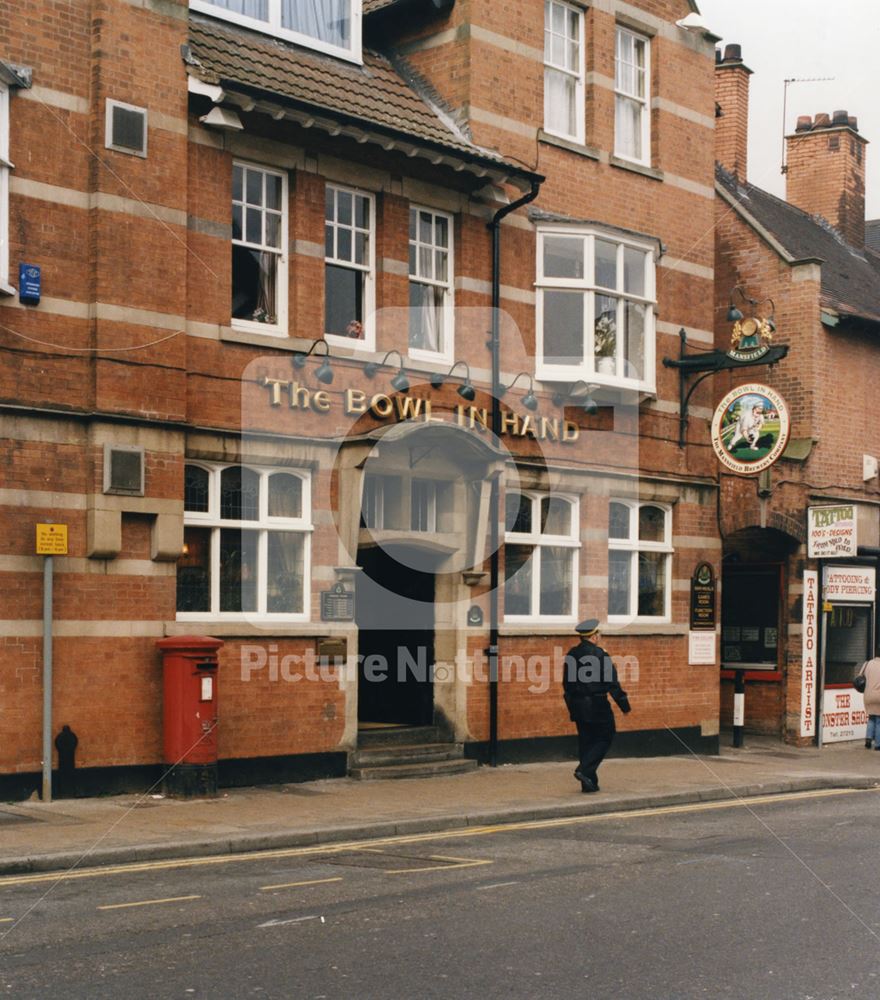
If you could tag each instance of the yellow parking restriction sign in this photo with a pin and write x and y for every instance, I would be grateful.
(51, 539)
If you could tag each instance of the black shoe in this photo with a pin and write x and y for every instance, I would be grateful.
(868, 745)
(588, 786)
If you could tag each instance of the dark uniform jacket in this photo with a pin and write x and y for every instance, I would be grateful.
(589, 677)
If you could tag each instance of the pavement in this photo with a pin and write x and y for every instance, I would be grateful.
(36, 836)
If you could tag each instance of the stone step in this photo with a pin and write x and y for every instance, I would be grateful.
(433, 769)
(418, 753)
(398, 735)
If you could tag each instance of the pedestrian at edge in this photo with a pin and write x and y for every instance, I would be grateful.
(589, 677)
(871, 670)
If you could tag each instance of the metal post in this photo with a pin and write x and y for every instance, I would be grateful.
(739, 707)
(47, 678)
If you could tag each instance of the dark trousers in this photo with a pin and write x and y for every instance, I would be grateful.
(594, 741)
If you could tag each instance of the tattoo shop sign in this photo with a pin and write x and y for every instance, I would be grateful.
(832, 532)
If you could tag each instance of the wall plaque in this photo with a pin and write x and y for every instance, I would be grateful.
(337, 604)
(703, 617)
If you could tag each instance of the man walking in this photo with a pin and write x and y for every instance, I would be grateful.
(589, 677)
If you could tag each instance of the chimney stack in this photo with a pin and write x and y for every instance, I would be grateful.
(732, 110)
(825, 172)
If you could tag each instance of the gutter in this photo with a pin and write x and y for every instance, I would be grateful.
(494, 493)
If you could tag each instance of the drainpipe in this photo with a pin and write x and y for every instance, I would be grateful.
(494, 493)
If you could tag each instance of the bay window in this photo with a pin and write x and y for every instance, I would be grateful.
(632, 87)
(332, 26)
(349, 265)
(639, 561)
(430, 284)
(246, 543)
(595, 309)
(540, 557)
(259, 249)
(563, 70)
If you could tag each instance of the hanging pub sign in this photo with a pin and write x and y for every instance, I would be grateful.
(750, 428)
(703, 616)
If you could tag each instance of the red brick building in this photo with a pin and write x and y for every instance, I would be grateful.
(805, 261)
(257, 379)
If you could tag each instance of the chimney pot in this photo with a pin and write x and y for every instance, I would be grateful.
(733, 53)
(717, 56)
(822, 121)
(853, 123)
(804, 123)
(840, 118)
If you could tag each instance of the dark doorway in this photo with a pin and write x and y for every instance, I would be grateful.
(750, 621)
(395, 618)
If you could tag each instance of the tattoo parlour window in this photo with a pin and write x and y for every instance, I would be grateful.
(259, 257)
(639, 561)
(540, 557)
(349, 268)
(246, 543)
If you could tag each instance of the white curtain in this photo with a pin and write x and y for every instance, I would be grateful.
(628, 128)
(327, 20)
(559, 102)
(258, 9)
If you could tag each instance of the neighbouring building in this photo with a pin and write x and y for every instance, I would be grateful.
(273, 240)
(801, 621)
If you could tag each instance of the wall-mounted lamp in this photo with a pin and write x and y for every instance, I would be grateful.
(586, 403)
(323, 373)
(400, 382)
(466, 390)
(529, 401)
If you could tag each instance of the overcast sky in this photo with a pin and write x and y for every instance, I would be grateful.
(781, 39)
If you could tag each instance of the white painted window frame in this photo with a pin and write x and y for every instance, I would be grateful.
(273, 27)
(644, 100)
(263, 524)
(368, 342)
(580, 76)
(587, 370)
(447, 334)
(109, 105)
(280, 328)
(5, 168)
(634, 546)
(537, 540)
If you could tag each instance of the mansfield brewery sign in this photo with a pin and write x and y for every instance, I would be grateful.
(356, 402)
(750, 428)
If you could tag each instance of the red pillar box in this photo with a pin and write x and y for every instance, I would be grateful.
(189, 668)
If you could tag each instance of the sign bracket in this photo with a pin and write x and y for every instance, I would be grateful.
(706, 363)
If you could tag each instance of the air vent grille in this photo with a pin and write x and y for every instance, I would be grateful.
(126, 128)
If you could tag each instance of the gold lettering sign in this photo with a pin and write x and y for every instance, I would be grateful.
(356, 402)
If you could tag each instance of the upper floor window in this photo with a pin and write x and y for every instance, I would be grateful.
(632, 86)
(430, 284)
(349, 269)
(540, 557)
(259, 240)
(563, 70)
(245, 543)
(595, 309)
(639, 560)
(4, 187)
(332, 26)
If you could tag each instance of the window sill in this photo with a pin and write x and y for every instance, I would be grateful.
(255, 629)
(644, 628)
(7, 289)
(519, 629)
(637, 168)
(572, 145)
(234, 335)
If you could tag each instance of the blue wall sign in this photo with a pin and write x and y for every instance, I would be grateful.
(29, 283)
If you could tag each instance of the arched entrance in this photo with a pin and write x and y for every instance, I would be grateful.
(757, 567)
